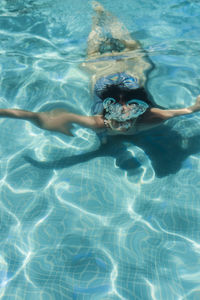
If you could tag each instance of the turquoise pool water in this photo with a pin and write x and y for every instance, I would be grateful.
(81, 221)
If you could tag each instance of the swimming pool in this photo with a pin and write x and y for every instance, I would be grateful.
(80, 221)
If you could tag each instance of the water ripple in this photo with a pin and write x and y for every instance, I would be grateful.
(84, 221)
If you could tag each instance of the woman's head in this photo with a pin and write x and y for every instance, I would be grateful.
(119, 105)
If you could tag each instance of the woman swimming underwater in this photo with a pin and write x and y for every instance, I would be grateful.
(119, 68)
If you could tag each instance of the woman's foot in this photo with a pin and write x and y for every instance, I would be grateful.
(97, 7)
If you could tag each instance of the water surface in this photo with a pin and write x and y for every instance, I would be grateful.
(81, 221)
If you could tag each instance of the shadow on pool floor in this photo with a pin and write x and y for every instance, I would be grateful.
(163, 146)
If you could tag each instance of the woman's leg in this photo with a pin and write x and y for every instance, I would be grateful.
(96, 36)
(109, 33)
(107, 29)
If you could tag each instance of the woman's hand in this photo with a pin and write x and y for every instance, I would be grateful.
(196, 106)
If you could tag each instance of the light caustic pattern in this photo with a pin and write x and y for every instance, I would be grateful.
(81, 221)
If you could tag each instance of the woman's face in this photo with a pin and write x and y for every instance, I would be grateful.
(125, 108)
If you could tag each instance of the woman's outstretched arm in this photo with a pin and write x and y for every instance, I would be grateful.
(155, 116)
(55, 120)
